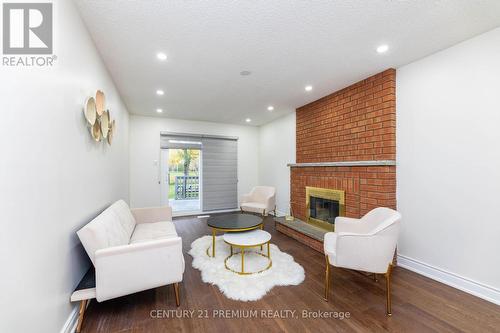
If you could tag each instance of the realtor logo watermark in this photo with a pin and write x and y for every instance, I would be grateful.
(28, 34)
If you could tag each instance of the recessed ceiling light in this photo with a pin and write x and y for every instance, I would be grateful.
(245, 73)
(160, 92)
(159, 110)
(270, 108)
(248, 120)
(162, 56)
(308, 88)
(383, 48)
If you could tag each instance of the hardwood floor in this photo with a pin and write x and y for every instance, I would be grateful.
(419, 304)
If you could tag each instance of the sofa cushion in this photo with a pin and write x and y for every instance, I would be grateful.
(113, 227)
(152, 231)
(125, 216)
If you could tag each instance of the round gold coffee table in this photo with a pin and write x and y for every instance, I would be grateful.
(232, 223)
(245, 240)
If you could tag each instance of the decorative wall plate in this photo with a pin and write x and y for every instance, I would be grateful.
(96, 131)
(90, 111)
(99, 101)
(102, 128)
(105, 124)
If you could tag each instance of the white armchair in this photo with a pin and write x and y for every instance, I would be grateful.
(262, 199)
(365, 244)
(132, 250)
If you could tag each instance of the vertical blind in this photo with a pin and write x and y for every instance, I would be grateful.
(220, 174)
(219, 171)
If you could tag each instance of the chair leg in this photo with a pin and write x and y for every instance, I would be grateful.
(327, 278)
(388, 290)
(176, 290)
(81, 313)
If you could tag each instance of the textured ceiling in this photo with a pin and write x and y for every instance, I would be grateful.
(286, 44)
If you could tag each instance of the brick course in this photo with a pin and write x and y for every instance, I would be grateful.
(357, 123)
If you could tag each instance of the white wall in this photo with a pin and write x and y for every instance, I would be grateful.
(277, 148)
(145, 153)
(53, 178)
(448, 155)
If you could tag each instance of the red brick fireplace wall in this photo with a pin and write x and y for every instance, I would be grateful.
(357, 123)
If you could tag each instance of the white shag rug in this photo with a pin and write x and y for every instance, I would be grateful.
(284, 271)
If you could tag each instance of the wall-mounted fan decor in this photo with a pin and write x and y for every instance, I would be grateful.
(102, 128)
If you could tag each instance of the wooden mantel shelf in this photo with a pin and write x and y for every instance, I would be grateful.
(343, 163)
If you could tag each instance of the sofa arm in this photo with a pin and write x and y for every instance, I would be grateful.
(126, 269)
(152, 214)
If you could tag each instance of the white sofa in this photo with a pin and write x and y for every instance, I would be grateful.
(262, 200)
(132, 250)
(367, 244)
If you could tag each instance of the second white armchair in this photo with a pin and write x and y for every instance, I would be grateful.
(365, 244)
(262, 199)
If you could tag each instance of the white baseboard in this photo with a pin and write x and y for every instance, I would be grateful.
(475, 288)
(70, 324)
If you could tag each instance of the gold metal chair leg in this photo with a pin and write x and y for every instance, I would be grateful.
(327, 277)
(388, 290)
(81, 313)
(176, 290)
(268, 250)
(231, 249)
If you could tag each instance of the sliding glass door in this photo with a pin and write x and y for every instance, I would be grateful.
(183, 179)
(199, 172)
(181, 174)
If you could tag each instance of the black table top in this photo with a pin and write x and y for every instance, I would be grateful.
(234, 221)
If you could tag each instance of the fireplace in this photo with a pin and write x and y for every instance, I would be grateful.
(323, 206)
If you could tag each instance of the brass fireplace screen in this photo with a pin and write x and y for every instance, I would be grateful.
(323, 206)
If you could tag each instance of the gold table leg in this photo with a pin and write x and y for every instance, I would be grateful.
(268, 251)
(242, 260)
(213, 243)
(261, 228)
